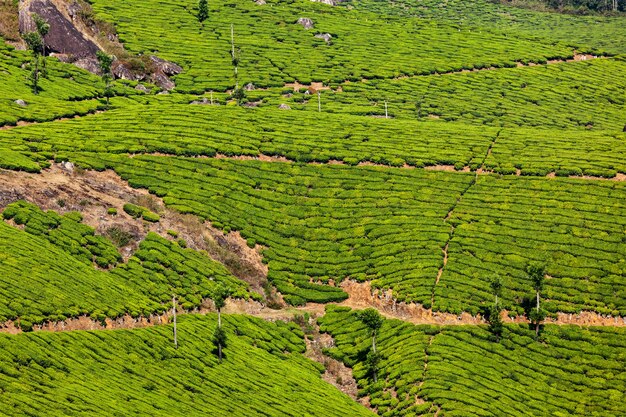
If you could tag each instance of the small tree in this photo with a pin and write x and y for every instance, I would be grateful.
(203, 10)
(42, 29)
(219, 299)
(494, 314)
(373, 320)
(105, 61)
(219, 340)
(495, 322)
(537, 275)
(34, 42)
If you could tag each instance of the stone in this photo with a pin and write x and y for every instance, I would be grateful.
(20, 102)
(306, 22)
(204, 101)
(249, 87)
(67, 167)
(328, 2)
(166, 67)
(261, 2)
(143, 88)
(121, 71)
(284, 107)
(163, 81)
(88, 64)
(326, 36)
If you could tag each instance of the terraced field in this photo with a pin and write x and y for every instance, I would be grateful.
(40, 265)
(139, 372)
(458, 370)
(420, 148)
(65, 92)
(584, 94)
(276, 50)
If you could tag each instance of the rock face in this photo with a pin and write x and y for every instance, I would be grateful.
(63, 37)
(163, 81)
(326, 36)
(166, 67)
(306, 22)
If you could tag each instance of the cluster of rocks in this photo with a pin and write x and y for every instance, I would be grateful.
(66, 42)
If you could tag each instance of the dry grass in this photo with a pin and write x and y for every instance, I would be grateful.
(9, 20)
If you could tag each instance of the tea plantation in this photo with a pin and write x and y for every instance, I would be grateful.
(458, 158)
(458, 370)
(139, 372)
(41, 263)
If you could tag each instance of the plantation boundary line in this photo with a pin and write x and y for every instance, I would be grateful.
(449, 215)
(319, 86)
(448, 168)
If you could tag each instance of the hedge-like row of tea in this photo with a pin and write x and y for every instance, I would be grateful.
(585, 33)
(274, 49)
(48, 272)
(139, 372)
(581, 95)
(458, 371)
(322, 222)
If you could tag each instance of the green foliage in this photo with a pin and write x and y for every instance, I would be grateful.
(265, 363)
(48, 271)
(220, 295)
(495, 322)
(203, 10)
(136, 211)
(371, 318)
(537, 276)
(575, 371)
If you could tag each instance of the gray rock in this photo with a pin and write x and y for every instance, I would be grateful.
(20, 102)
(249, 87)
(159, 78)
(166, 67)
(67, 167)
(306, 22)
(328, 2)
(284, 107)
(63, 36)
(89, 64)
(143, 88)
(204, 102)
(120, 70)
(261, 2)
(326, 36)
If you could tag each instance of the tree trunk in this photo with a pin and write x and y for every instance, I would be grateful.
(174, 314)
(537, 301)
(219, 351)
(374, 342)
(219, 318)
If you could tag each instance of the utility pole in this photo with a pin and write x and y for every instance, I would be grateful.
(232, 44)
(174, 314)
(319, 101)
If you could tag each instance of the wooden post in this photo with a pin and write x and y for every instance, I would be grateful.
(319, 101)
(174, 314)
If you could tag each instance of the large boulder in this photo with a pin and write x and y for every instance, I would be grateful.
(159, 78)
(89, 64)
(166, 67)
(120, 70)
(63, 37)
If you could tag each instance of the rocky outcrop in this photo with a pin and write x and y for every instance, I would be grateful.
(70, 40)
(306, 22)
(166, 67)
(63, 37)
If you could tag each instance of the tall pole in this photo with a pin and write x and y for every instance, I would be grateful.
(319, 101)
(232, 45)
(386, 114)
(174, 314)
